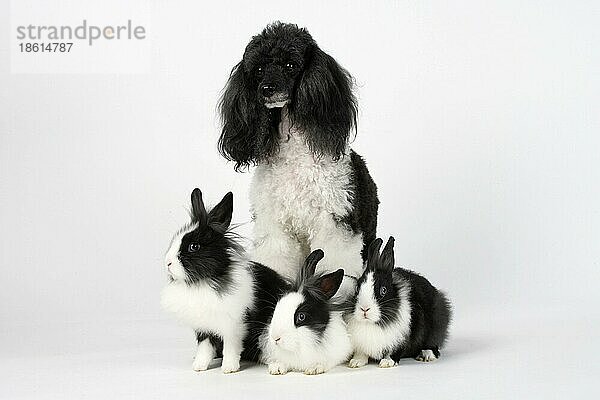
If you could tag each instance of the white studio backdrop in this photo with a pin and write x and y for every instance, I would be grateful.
(479, 122)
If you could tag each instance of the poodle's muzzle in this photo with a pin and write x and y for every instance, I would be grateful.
(275, 88)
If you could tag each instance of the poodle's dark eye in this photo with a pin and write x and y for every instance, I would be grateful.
(300, 318)
(290, 66)
(259, 71)
(382, 291)
(193, 247)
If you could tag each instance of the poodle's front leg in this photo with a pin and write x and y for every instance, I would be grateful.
(276, 248)
(342, 249)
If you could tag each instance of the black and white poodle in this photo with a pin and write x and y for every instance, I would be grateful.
(289, 110)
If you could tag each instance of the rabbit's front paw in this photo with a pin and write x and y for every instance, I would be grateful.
(358, 361)
(386, 363)
(204, 356)
(200, 363)
(230, 365)
(315, 370)
(277, 369)
(426, 356)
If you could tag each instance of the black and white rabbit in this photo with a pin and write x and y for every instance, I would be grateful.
(307, 332)
(396, 313)
(213, 288)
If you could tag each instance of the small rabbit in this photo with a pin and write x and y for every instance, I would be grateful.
(214, 289)
(396, 313)
(307, 333)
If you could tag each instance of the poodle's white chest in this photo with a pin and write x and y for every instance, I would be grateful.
(297, 189)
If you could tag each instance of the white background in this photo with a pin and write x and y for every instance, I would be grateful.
(479, 122)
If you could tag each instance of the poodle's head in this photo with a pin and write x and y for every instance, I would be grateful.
(284, 67)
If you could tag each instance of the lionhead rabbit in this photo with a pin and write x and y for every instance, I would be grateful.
(396, 313)
(307, 332)
(216, 290)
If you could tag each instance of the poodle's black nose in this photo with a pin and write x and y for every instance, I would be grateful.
(267, 90)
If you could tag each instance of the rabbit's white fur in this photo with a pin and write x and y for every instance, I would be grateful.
(370, 339)
(205, 309)
(174, 267)
(299, 348)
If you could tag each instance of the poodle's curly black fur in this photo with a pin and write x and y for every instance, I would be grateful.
(284, 66)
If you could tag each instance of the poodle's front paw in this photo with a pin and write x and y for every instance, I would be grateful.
(277, 369)
(230, 365)
(358, 361)
(426, 356)
(386, 363)
(315, 370)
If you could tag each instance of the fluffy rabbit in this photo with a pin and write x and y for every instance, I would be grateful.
(307, 332)
(396, 313)
(214, 289)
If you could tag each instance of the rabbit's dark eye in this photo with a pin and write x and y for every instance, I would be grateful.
(382, 291)
(300, 317)
(193, 247)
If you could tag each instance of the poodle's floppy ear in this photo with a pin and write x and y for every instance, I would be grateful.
(220, 215)
(387, 256)
(198, 210)
(239, 118)
(324, 104)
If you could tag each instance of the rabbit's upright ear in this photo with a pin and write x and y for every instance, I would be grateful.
(220, 216)
(330, 283)
(373, 254)
(387, 256)
(310, 264)
(198, 210)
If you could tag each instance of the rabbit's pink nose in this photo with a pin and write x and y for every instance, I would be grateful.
(277, 340)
